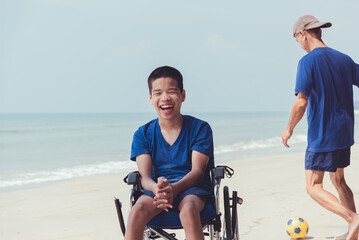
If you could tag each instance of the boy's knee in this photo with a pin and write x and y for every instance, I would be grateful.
(189, 210)
(139, 211)
(136, 211)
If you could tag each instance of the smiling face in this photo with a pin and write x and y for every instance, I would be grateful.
(167, 98)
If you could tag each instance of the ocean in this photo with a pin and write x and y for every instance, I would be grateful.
(37, 149)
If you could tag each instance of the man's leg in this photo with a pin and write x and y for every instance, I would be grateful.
(141, 213)
(345, 193)
(330, 202)
(190, 208)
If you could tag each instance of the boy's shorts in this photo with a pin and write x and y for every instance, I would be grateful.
(200, 192)
(327, 161)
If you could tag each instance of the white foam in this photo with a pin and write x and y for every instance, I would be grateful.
(21, 179)
(258, 144)
(26, 178)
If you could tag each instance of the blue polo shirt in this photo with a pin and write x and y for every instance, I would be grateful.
(327, 77)
(175, 161)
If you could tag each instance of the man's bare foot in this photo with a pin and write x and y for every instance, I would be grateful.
(354, 228)
(341, 237)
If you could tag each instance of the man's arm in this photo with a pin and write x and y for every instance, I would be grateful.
(356, 75)
(296, 115)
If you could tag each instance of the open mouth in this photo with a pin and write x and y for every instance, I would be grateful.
(166, 108)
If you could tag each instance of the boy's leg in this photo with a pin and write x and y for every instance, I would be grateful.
(190, 208)
(141, 213)
(330, 202)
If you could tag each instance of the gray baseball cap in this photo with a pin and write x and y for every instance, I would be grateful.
(307, 22)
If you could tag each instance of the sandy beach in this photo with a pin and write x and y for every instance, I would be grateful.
(273, 189)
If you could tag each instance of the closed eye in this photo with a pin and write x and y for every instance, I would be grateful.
(156, 92)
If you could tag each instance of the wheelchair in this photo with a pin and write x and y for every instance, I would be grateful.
(211, 216)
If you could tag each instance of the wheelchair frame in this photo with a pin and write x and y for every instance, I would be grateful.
(213, 228)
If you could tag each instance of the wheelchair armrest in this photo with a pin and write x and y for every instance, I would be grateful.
(219, 172)
(133, 178)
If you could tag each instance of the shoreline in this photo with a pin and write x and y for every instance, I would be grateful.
(46, 180)
(273, 190)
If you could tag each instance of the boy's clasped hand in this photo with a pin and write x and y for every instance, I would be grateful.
(164, 194)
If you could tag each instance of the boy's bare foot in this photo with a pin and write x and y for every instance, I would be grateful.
(354, 228)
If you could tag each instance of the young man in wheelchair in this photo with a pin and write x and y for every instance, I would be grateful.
(174, 155)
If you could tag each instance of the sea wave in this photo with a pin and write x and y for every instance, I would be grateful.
(21, 179)
(258, 144)
(52, 128)
(113, 167)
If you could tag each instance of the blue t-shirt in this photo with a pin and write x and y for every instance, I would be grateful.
(327, 76)
(175, 161)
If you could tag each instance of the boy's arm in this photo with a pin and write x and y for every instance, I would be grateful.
(165, 195)
(195, 176)
(144, 165)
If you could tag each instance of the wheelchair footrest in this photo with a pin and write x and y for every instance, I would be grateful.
(160, 233)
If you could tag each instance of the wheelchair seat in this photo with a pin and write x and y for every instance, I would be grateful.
(171, 220)
(210, 215)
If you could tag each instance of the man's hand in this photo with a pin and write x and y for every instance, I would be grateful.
(164, 194)
(296, 115)
(285, 137)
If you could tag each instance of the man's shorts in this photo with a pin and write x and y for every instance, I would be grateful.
(200, 192)
(327, 161)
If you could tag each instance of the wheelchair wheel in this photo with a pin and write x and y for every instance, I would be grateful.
(235, 233)
(227, 214)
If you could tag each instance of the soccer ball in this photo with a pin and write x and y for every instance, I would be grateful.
(297, 227)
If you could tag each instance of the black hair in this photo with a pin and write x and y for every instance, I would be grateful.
(316, 33)
(165, 71)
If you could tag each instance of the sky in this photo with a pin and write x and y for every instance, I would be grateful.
(74, 56)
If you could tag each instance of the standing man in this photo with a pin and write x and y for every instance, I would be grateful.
(324, 86)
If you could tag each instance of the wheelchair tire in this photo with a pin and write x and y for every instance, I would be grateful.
(234, 217)
(227, 214)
